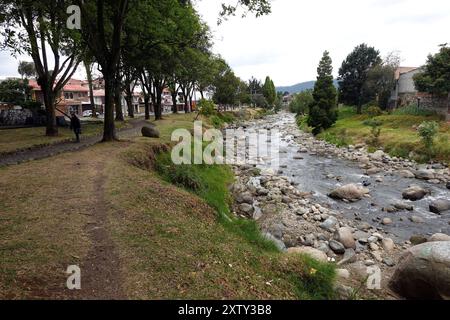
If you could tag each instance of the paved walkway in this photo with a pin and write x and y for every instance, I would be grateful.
(58, 148)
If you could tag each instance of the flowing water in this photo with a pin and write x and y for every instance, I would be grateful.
(317, 174)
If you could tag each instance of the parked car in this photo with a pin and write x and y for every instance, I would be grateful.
(87, 113)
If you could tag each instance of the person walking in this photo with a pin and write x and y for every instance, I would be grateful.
(75, 125)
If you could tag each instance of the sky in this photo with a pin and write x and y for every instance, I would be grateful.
(287, 44)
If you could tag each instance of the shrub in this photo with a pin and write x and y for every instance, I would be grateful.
(206, 107)
(375, 132)
(217, 122)
(374, 111)
(428, 131)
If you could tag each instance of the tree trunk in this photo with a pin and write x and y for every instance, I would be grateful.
(91, 88)
(118, 104)
(130, 107)
(147, 106)
(158, 104)
(49, 102)
(174, 103)
(109, 133)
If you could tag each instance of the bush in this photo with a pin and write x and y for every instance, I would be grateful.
(428, 131)
(374, 111)
(302, 123)
(216, 121)
(375, 132)
(206, 107)
(301, 102)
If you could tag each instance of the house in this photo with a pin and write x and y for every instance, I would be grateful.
(74, 97)
(405, 93)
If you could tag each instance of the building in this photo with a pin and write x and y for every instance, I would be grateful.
(74, 97)
(405, 93)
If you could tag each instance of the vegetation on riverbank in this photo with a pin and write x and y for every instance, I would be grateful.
(171, 241)
(398, 137)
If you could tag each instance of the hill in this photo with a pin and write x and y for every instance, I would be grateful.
(300, 87)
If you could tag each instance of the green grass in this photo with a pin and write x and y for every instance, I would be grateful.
(399, 136)
(12, 140)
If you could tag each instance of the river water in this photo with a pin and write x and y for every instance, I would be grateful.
(317, 174)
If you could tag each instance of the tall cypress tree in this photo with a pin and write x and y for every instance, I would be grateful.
(323, 113)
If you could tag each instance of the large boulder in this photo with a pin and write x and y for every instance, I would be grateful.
(425, 174)
(439, 237)
(313, 253)
(345, 236)
(415, 193)
(406, 174)
(440, 205)
(350, 192)
(423, 272)
(378, 155)
(150, 132)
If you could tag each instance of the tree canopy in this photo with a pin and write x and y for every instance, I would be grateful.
(435, 78)
(353, 75)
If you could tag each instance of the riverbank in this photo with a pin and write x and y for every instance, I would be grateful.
(398, 138)
(370, 226)
(145, 237)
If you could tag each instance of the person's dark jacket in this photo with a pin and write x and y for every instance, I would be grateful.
(75, 123)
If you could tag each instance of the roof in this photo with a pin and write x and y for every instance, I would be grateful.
(402, 70)
(72, 85)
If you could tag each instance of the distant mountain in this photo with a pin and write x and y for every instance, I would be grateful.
(300, 87)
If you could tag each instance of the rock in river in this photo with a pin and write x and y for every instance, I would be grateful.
(423, 272)
(440, 205)
(415, 193)
(439, 237)
(351, 192)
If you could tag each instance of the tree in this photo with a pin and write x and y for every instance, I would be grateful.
(26, 69)
(102, 26)
(435, 78)
(259, 7)
(323, 114)
(226, 88)
(14, 91)
(269, 92)
(381, 80)
(301, 102)
(38, 28)
(353, 75)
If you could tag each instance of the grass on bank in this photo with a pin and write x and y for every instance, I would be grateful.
(170, 242)
(12, 140)
(399, 136)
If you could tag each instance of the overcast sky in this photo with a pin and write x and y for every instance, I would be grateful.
(288, 44)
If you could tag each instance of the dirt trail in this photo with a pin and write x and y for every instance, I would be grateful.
(55, 149)
(100, 271)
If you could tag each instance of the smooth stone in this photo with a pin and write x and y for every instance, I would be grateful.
(439, 237)
(313, 253)
(439, 206)
(337, 247)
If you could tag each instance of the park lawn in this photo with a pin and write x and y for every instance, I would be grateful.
(171, 242)
(12, 140)
(398, 137)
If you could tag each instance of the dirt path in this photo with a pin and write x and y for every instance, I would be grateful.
(55, 149)
(100, 271)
